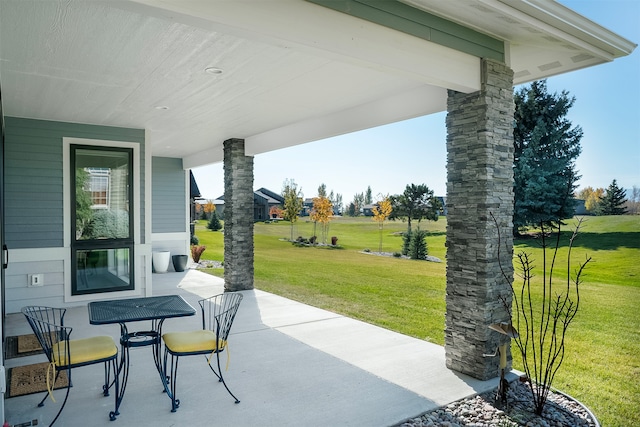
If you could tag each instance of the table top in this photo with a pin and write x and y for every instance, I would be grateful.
(138, 309)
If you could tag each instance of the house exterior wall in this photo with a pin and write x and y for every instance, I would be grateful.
(34, 208)
(170, 206)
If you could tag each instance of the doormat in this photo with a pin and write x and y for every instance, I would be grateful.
(30, 379)
(21, 345)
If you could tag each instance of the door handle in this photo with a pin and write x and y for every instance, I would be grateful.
(5, 256)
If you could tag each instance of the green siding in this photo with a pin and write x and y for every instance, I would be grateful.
(168, 195)
(33, 197)
(401, 17)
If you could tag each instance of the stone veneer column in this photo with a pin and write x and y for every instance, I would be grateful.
(479, 183)
(238, 217)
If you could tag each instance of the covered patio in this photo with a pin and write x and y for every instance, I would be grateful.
(166, 86)
(290, 364)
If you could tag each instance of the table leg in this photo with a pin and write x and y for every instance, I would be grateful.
(139, 339)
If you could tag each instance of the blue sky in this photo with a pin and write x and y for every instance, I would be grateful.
(387, 158)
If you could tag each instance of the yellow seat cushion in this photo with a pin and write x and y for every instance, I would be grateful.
(192, 342)
(84, 350)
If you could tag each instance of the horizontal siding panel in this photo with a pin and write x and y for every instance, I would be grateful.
(34, 176)
(31, 146)
(34, 222)
(22, 239)
(50, 177)
(168, 195)
(37, 201)
(53, 272)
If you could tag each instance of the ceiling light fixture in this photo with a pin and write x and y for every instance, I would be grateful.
(162, 107)
(213, 70)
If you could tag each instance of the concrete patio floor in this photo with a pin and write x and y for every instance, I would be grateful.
(290, 365)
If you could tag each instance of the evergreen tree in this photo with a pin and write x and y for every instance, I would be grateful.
(545, 150)
(351, 209)
(358, 204)
(613, 201)
(214, 222)
(368, 197)
(322, 190)
(418, 245)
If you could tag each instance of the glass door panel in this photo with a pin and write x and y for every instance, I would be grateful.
(102, 248)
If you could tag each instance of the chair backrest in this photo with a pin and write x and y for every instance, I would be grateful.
(219, 311)
(47, 324)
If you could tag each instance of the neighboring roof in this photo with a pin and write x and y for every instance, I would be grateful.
(269, 196)
(270, 200)
(275, 73)
(195, 191)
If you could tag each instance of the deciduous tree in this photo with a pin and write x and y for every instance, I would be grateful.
(415, 203)
(322, 212)
(292, 202)
(382, 211)
(591, 198)
(208, 208)
(275, 212)
(545, 150)
(358, 204)
(633, 202)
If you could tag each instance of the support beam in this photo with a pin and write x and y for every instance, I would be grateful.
(479, 183)
(238, 217)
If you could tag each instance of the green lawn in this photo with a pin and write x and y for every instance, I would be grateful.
(602, 364)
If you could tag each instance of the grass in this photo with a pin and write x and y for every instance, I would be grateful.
(602, 364)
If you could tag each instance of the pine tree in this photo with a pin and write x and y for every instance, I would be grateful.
(418, 245)
(368, 197)
(545, 150)
(214, 222)
(613, 201)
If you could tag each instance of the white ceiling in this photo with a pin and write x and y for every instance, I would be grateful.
(292, 71)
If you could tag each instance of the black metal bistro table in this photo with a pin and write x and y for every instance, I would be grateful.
(122, 311)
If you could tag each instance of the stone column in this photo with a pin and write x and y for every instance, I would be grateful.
(479, 183)
(238, 217)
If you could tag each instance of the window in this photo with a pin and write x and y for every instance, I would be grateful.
(102, 223)
(98, 186)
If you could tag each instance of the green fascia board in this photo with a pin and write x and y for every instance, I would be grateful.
(401, 17)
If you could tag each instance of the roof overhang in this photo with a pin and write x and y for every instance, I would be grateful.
(292, 71)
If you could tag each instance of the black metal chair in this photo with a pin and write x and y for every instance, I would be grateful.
(65, 354)
(218, 313)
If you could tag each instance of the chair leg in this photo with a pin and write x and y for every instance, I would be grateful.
(116, 383)
(107, 379)
(46, 393)
(66, 396)
(219, 375)
(173, 380)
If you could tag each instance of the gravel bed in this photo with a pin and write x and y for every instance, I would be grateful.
(209, 264)
(483, 411)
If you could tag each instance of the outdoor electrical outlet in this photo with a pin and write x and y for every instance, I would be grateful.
(36, 280)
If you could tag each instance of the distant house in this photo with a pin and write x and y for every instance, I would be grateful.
(367, 210)
(263, 201)
(307, 207)
(580, 207)
(443, 203)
